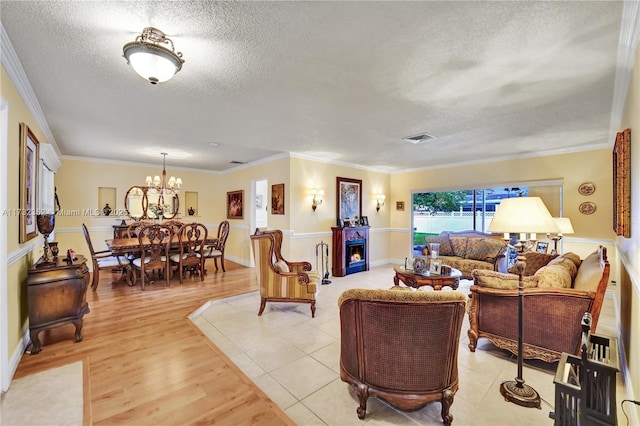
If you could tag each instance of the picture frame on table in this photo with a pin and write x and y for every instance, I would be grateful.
(346, 222)
(364, 221)
(542, 247)
(29, 155)
(348, 197)
(435, 266)
(622, 184)
(235, 204)
(277, 198)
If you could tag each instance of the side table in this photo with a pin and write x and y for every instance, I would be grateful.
(56, 294)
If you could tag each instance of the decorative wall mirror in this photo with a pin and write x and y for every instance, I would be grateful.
(142, 203)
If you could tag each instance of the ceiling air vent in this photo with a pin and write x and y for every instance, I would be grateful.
(237, 162)
(421, 138)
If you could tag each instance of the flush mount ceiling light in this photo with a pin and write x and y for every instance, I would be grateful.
(150, 59)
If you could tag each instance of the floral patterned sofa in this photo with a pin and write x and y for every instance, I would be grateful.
(469, 250)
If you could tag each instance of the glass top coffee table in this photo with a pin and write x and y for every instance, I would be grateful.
(450, 277)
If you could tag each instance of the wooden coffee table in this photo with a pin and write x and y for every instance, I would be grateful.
(411, 279)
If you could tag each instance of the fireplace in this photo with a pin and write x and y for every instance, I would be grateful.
(350, 250)
(355, 255)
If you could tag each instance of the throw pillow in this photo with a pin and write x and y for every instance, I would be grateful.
(493, 279)
(589, 273)
(459, 245)
(567, 264)
(573, 257)
(534, 261)
(443, 240)
(485, 249)
(282, 266)
(553, 276)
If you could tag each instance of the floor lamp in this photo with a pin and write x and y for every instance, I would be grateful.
(526, 216)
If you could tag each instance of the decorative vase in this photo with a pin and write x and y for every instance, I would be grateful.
(106, 210)
(434, 249)
(191, 211)
(45, 224)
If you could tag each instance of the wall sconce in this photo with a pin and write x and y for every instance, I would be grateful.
(318, 194)
(379, 201)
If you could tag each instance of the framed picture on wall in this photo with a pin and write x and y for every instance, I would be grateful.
(349, 197)
(235, 205)
(29, 154)
(622, 184)
(400, 205)
(277, 198)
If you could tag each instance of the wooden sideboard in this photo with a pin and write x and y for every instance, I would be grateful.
(350, 250)
(56, 295)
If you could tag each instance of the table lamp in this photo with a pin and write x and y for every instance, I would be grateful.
(565, 228)
(522, 215)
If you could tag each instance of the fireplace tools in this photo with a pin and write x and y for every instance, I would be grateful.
(322, 261)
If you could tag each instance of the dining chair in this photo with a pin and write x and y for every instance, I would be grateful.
(154, 241)
(216, 249)
(102, 259)
(190, 254)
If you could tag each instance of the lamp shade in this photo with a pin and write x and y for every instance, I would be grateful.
(523, 215)
(564, 224)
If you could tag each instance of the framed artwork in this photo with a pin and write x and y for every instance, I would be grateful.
(542, 246)
(235, 204)
(29, 154)
(259, 201)
(349, 197)
(622, 184)
(400, 206)
(277, 198)
(434, 266)
(364, 221)
(346, 222)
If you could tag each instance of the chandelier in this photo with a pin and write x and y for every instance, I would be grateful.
(150, 59)
(162, 186)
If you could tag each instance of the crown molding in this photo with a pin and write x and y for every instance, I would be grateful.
(627, 49)
(12, 64)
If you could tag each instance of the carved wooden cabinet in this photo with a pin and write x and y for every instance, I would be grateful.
(56, 295)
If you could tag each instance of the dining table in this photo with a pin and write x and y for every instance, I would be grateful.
(129, 248)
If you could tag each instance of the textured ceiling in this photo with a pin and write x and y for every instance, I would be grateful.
(339, 81)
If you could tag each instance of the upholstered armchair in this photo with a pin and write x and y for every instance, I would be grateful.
(278, 283)
(280, 261)
(401, 346)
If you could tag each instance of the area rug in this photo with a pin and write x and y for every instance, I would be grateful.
(52, 397)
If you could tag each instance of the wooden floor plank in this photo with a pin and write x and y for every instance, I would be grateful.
(145, 363)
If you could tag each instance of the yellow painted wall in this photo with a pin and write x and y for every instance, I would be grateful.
(311, 227)
(28, 252)
(628, 291)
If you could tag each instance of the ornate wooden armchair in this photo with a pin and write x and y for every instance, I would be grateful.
(401, 346)
(277, 284)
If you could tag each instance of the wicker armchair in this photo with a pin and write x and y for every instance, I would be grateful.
(277, 283)
(401, 346)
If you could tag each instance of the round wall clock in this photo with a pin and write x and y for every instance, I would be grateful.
(587, 207)
(587, 188)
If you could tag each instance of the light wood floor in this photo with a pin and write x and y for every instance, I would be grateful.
(145, 363)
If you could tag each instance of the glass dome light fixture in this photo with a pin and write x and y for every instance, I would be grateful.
(150, 58)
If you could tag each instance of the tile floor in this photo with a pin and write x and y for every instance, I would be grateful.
(287, 339)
